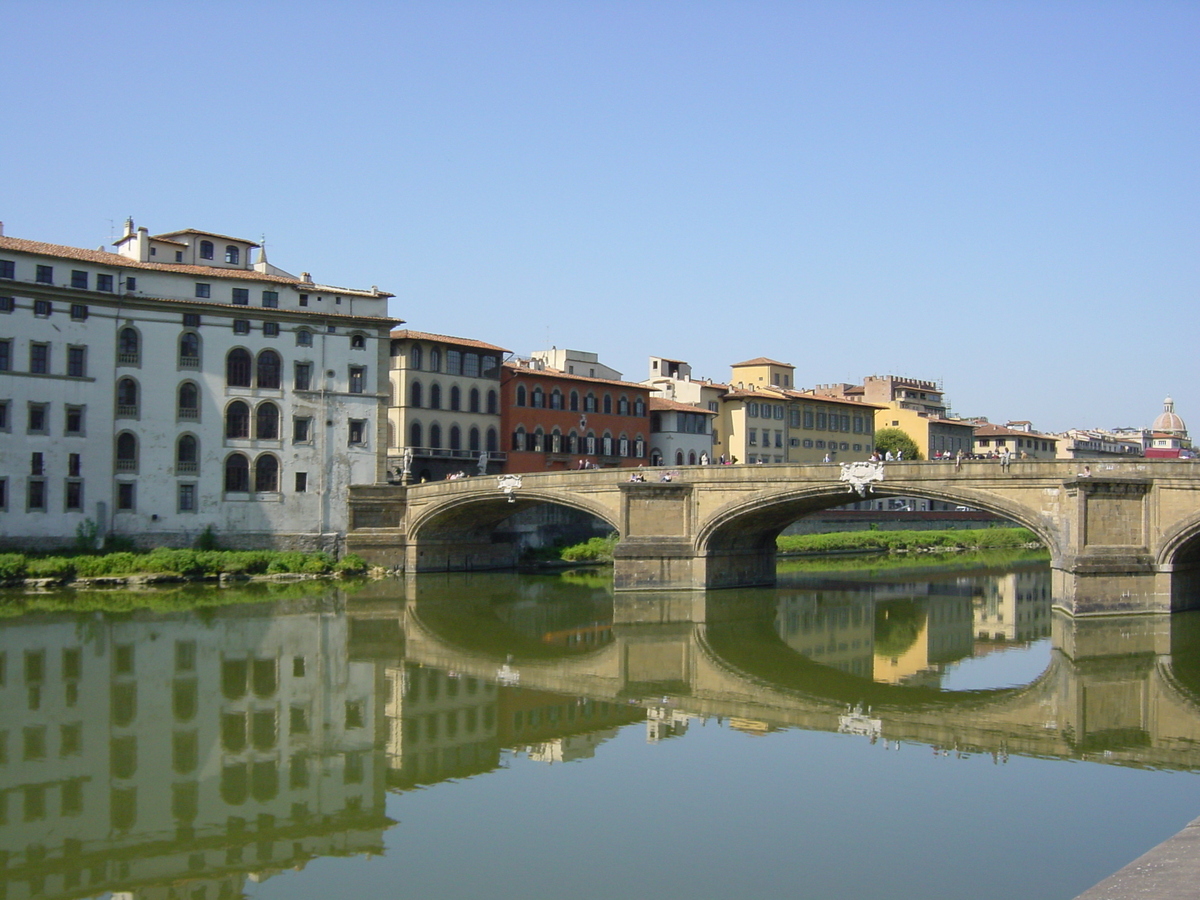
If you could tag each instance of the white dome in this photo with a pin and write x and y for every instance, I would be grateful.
(1168, 421)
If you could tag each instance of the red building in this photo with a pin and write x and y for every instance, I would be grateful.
(558, 420)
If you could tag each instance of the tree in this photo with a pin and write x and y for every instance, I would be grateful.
(896, 439)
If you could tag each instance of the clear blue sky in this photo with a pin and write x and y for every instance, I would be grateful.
(1001, 195)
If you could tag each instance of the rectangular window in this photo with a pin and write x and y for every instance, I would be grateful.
(6, 304)
(74, 465)
(304, 299)
(79, 311)
(203, 289)
(74, 497)
(4, 426)
(38, 421)
(36, 501)
(74, 420)
(37, 464)
(191, 320)
(241, 296)
(79, 279)
(241, 326)
(125, 495)
(301, 429)
(358, 431)
(3, 493)
(303, 376)
(130, 284)
(453, 362)
(8, 268)
(104, 283)
(42, 308)
(301, 482)
(471, 365)
(808, 418)
(358, 377)
(270, 299)
(77, 362)
(45, 274)
(270, 329)
(187, 498)
(752, 437)
(39, 359)
(5, 355)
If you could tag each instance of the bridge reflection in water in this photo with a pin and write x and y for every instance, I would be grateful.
(178, 755)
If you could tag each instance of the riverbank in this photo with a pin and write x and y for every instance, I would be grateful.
(170, 566)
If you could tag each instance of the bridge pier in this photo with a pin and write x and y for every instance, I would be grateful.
(459, 556)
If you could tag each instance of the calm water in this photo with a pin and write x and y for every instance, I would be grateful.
(853, 734)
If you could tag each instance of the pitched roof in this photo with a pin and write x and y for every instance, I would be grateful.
(550, 372)
(407, 334)
(763, 361)
(659, 404)
(993, 430)
(116, 261)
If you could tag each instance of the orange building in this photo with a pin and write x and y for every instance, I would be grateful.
(558, 420)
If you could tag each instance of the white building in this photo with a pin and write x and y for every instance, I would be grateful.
(172, 386)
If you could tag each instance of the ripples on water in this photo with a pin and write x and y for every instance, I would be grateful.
(846, 734)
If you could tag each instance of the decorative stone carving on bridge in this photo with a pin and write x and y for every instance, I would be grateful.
(859, 475)
(509, 484)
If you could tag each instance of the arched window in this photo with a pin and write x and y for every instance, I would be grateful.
(473, 439)
(623, 446)
(414, 394)
(556, 441)
(607, 445)
(556, 399)
(237, 420)
(358, 342)
(266, 422)
(237, 368)
(572, 442)
(206, 249)
(455, 438)
(189, 350)
(574, 401)
(189, 401)
(539, 440)
(237, 474)
(538, 399)
(492, 402)
(129, 345)
(520, 395)
(518, 442)
(269, 369)
(414, 434)
(589, 403)
(303, 337)
(473, 400)
(623, 406)
(639, 447)
(435, 359)
(679, 457)
(435, 436)
(435, 396)
(590, 444)
(691, 457)
(608, 404)
(127, 397)
(639, 407)
(414, 357)
(493, 441)
(455, 397)
(232, 254)
(266, 473)
(127, 452)
(187, 455)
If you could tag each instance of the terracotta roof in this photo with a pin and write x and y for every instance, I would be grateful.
(549, 372)
(116, 261)
(248, 312)
(167, 235)
(993, 430)
(763, 361)
(662, 403)
(407, 334)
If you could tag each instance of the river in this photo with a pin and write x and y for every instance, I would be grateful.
(855, 732)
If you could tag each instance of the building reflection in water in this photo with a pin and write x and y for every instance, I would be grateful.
(180, 755)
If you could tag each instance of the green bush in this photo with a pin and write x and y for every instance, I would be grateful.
(593, 550)
(50, 567)
(12, 565)
(350, 564)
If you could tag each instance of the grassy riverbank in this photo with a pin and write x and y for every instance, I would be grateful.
(165, 564)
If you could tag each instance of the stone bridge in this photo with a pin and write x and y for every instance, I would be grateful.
(1119, 689)
(1123, 538)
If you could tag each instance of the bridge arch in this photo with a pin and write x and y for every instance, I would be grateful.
(751, 525)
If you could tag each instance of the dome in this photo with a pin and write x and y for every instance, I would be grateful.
(1169, 422)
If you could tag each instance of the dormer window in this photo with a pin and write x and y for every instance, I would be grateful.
(233, 256)
(206, 249)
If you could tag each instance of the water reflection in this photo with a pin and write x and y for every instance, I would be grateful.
(178, 755)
